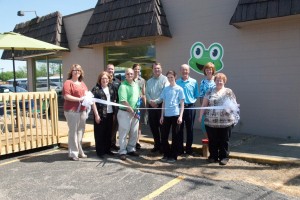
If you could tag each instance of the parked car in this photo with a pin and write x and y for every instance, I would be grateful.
(120, 74)
(40, 87)
(10, 88)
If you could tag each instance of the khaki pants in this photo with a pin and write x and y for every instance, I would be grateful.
(127, 125)
(76, 123)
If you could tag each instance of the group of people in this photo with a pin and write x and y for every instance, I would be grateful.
(170, 104)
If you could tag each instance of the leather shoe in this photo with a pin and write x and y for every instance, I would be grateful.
(123, 157)
(138, 146)
(164, 159)
(190, 153)
(224, 161)
(133, 153)
(212, 160)
(74, 158)
(82, 156)
(101, 156)
(115, 147)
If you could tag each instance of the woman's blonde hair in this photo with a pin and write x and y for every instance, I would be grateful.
(211, 66)
(76, 67)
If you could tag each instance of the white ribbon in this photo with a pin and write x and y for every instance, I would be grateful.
(89, 100)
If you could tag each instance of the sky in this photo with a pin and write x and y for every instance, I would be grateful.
(9, 17)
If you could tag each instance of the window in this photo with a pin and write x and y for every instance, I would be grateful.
(124, 57)
(45, 65)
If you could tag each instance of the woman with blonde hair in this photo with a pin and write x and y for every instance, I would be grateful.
(74, 90)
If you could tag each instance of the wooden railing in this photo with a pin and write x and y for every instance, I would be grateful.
(28, 121)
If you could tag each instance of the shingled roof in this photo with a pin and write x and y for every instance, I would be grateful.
(118, 20)
(248, 10)
(48, 28)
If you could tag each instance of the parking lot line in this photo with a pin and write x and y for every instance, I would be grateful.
(163, 188)
(27, 157)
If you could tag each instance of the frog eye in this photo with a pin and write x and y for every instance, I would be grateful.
(198, 51)
(215, 52)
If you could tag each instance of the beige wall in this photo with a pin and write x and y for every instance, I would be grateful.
(260, 59)
(91, 60)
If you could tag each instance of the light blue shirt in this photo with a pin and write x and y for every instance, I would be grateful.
(205, 85)
(154, 88)
(190, 89)
(172, 95)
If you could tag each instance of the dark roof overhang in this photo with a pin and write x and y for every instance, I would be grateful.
(48, 28)
(250, 10)
(119, 20)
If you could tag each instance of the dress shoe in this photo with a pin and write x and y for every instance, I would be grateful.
(74, 158)
(224, 161)
(138, 146)
(212, 160)
(82, 156)
(190, 153)
(133, 153)
(164, 159)
(101, 156)
(171, 160)
(123, 157)
(115, 147)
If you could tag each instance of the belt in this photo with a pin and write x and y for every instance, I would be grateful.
(187, 105)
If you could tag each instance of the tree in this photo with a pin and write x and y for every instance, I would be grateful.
(41, 71)
(21, 72)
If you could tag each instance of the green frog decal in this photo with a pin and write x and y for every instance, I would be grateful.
(200, 56)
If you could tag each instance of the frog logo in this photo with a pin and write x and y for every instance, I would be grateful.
(200, 56)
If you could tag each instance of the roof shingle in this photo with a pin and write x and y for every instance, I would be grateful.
(249, 10)
(117, 20)
(48, 28)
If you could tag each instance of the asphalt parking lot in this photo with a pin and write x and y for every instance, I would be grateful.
(48, 174)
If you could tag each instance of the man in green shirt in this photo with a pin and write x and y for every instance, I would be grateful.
(129, 94)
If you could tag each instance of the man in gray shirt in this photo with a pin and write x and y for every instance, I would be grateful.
(154, 88)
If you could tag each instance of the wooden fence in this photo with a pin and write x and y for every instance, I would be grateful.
(28, 121)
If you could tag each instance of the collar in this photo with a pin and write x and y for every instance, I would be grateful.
(127, 83)
(187, 80)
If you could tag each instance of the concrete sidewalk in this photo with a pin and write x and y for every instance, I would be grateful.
(259, 149)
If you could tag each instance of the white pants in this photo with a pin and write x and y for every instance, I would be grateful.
(76, 123)
(127, 125)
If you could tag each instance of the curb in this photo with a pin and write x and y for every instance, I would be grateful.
(88, 141)
(273, 160)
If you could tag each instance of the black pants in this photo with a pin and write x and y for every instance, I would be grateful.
(102, 134)
(188, 119)
(170, 152)
(115, 127)
(218, 142)
(155, 126)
